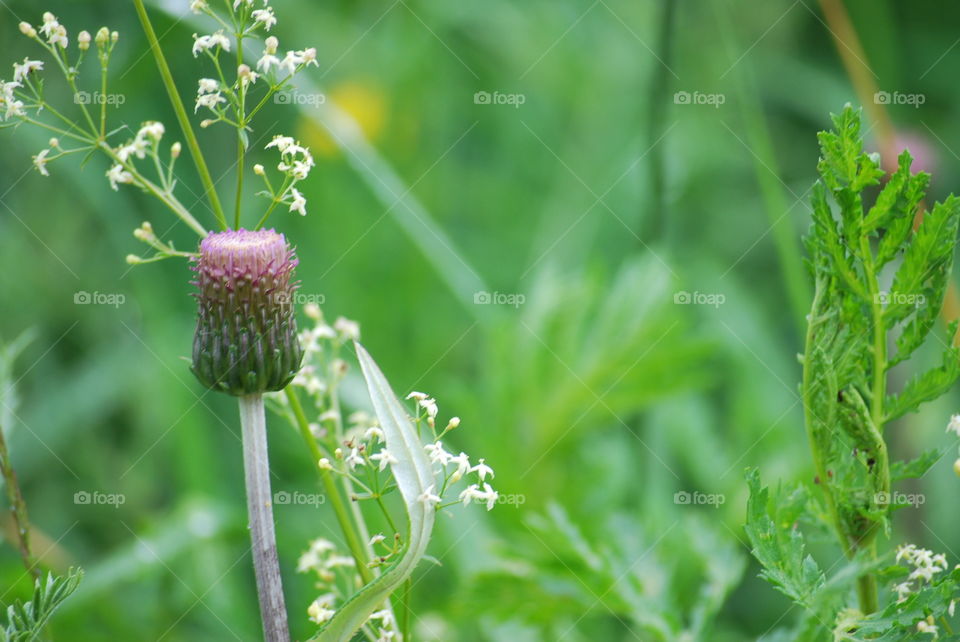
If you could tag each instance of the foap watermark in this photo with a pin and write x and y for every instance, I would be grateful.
(516, 500)
(498, 98)
(299, 298)
(498, 298)
(899, 98)
(699, 98)
(699, 298)
(97, 98)
(899, 298)
(696, 498)
(299, 98)
(896, 498)
(97, 498)
(82, 297)
(296, 498)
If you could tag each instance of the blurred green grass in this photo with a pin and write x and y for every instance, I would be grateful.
(598, 394)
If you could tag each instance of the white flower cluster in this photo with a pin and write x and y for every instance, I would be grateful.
(55, 33)
(292, 62)
(145, 142)
(452, 467)
(322, 559)
(295, 163)
(925, 566)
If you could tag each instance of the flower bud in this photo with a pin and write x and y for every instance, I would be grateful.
(258, 169)
(175, 150)
(271, 44)
(102, 37)
(114, 36)
(956, 467)
(54, 143)
(83, 40)
(27, 29)
(246, 339)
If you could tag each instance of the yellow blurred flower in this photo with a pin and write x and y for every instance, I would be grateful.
(363, 101)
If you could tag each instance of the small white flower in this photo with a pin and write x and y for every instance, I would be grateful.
(299, 203)
(376, 539)
(926, 626)
(384, 457)
(373, 432)
(482, 470)
(246, 75)
(954, 425)
(427, 498)
(282, 143)
(40, 162)
(20, 70)
(209, 100)
(430, 405)
(903, 590)
(265, 17)
(151, 129)
(419, 396)
(951, 608)
(236, 3)
(354, 459)
(198, 6)
(205, 43)
(117, 174)
(208, 86)
(50, 24)
(463, 465)
(437, 454)
(59, 37)
(319, 611)
(347, 329)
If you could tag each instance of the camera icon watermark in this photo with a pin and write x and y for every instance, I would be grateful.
(499, 298)
(499, 98)
(96, 498)
(898, 499)
(298, 298)
(97, 98)
(699, 98)
(696, 498)
(298, 98)
(683, 297)
(296, 498)
(899, 98)
(899, 298)
(82, 297)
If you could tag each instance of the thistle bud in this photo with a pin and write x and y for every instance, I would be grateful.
(246, 339)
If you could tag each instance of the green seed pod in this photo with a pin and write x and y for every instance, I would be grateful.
(246, 339)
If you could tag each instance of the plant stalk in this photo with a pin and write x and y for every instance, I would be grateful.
(266, 562)
(18, 508)
(354, 542)
(182, 118)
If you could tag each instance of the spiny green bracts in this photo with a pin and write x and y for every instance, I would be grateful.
(246, 339)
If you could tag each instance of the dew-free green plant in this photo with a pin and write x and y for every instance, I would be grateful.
(246, 343)
(880, 267)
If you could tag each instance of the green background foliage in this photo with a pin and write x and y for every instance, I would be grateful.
(598, 399)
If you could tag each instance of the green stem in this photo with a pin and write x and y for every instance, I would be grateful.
(403, 596)
(266, 562)
(18, 509)
(181, 113)
(333, 493)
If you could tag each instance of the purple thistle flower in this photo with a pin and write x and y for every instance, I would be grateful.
(246, 339)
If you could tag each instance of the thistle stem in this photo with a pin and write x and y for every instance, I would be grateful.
(18, 508)
(266, 563)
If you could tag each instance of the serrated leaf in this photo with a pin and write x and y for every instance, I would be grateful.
(915, 468)
(26, 621)
(925, 387)
(414, 477)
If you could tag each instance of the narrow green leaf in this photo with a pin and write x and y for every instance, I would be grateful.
(414, 477)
